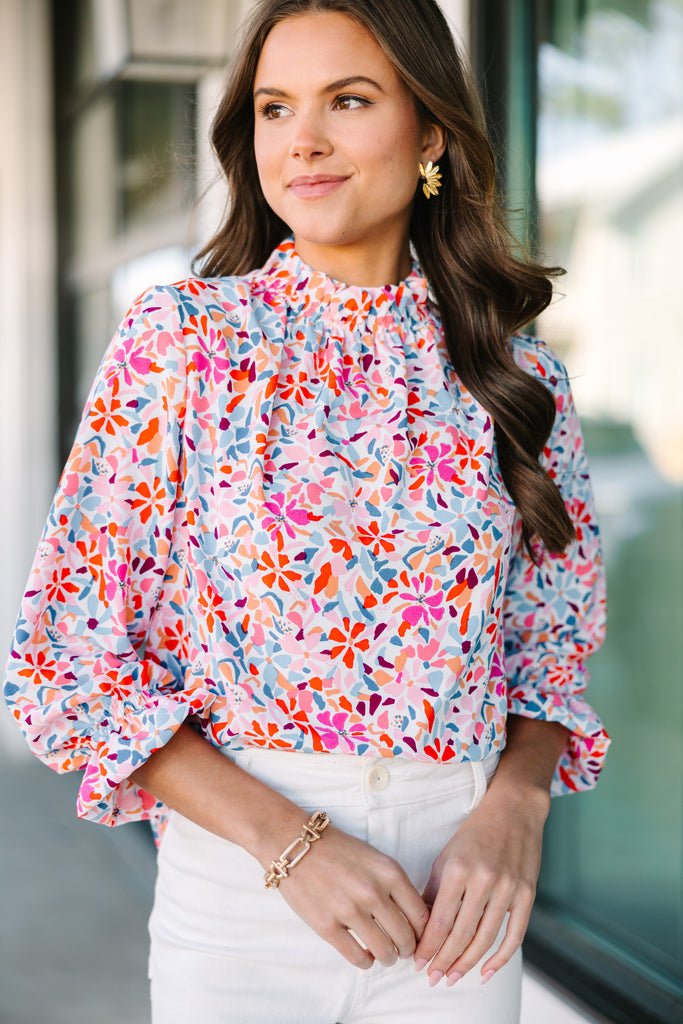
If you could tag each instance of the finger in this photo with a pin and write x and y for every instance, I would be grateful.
(518, 922)
(485, 935)
(446, 908)
(374, 937)
(340, 938)
(461, 932)
(397, 926)
(411, 905)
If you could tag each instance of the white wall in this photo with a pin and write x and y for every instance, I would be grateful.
(27, 293)
(457, 14)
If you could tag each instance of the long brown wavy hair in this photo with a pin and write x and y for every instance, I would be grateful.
(484, 291)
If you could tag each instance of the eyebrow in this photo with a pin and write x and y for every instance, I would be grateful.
(341, 83)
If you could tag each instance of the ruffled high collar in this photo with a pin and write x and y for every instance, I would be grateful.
(315, 293)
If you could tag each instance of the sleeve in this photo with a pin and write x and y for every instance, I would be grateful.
(554, 615)
(77, 680)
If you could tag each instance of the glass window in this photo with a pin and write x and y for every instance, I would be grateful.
(92, 161)
(126, 156)
(157, 157)
(610, 205)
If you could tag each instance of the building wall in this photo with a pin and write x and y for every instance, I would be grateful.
(28, 337)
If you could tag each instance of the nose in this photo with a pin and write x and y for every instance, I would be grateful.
(309, 138)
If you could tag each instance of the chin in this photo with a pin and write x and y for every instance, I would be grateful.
(318, 229)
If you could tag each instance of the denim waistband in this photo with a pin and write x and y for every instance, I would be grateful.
(350, 779)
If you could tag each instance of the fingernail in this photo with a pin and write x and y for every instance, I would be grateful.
(452, 978)
(420, 963)
(487, 977)
(435, 977)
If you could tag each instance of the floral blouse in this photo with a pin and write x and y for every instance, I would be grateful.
(283, 515)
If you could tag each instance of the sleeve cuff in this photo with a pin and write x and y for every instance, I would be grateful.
(137, 726)
(579, 766)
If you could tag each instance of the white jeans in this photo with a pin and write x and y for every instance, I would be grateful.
(226, 950)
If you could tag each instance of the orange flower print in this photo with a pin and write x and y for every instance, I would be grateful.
(107, 415)
(39, 668)
(277, 572)
(348, 642)
(150, 500)
(61, 589)
(297, 389)
(377, 540)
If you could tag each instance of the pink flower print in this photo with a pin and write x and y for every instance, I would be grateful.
(335, 726)
(280, 521)
(131, 355)
(354, 383)
(431, 654)
(300, 646)
(423, 605)
(211, 358)
(430, 461)
(116, 577)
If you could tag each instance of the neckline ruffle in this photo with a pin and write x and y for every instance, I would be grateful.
(313, 292)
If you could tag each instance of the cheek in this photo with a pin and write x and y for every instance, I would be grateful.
(399, 171)
(268, 148)
(393, 153)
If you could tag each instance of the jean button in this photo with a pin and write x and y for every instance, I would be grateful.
(378, 777)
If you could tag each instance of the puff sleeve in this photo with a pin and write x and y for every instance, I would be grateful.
(77, 680)
(554, 616)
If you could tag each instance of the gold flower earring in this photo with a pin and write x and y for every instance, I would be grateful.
(432, 182)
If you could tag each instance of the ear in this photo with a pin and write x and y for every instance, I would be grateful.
(433, 143)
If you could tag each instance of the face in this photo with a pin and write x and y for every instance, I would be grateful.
(366, 133)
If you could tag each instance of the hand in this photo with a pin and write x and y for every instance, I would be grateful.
(343, 882)
(489, 866)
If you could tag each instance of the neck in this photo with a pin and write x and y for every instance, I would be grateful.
(363, 264)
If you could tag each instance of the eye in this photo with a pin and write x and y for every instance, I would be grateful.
(360, 99)
(266, 109)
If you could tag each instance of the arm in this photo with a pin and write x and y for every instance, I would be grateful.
(196, 779)
(527, 764)
(77, 681)
(553, 617)
(554, 614)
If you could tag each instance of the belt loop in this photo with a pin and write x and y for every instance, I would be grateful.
(479, 776)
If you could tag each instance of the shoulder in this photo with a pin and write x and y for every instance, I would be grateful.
(192, 295)
(225, 303)
(536, 356)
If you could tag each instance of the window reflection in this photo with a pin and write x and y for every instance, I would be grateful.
(157, 150)
(610, 193)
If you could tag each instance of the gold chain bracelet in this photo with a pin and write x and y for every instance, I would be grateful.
(279, 869)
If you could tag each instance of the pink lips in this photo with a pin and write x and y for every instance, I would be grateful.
(313, 188)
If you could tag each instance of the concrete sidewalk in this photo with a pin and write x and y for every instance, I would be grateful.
(74, 902)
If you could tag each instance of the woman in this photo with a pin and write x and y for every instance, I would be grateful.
(323, 561)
